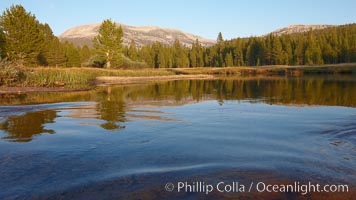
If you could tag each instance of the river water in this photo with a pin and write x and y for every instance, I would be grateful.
(138, 141)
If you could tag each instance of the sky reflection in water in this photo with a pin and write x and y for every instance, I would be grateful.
(142, 136)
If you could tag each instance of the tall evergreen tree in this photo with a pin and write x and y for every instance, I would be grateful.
(287, 49)
(207, 58)
(329, 54)
(229, 60)
(23, 35)
(2, 43)
(162, 58)
(238, 52)
(108, 43)
(268, 49)
(156, 48)
(48, 36)
(145, 55)
(193, 55)
(255, 52)
(277, 52)
(200, 54)
(185, 58)
(72, 55)
(299, 52)
(56, 54)
(345, 50)
(85, 55)
(178, 54)
(220, 38)
(132, 51)
(313, 54)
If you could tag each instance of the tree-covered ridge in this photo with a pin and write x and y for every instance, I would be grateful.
(27, 41)
(327, 46)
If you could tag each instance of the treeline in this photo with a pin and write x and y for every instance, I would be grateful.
(25, 40)
(328, 46)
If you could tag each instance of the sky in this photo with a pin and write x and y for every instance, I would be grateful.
(206, 18)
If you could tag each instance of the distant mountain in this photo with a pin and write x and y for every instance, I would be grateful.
(299, 29)
(142, 35)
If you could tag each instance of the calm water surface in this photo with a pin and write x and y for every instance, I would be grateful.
(127, 142)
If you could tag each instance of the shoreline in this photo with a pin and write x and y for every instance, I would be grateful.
(103, 81)
(118, 77)
(24, 90)
(113, 80)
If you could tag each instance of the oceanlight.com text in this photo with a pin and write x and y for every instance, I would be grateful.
(235, 187)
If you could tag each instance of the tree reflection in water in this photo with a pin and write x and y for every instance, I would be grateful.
(111, 109)
(24, 128)
(112, 103)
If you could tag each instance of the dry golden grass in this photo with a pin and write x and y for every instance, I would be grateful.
(82, 77)
(79, 77)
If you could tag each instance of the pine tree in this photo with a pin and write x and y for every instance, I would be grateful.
(268, 49)
(207, 58)
(48, 36)
(221, 61)
(353, 44)
(72, 55)
(193, 58)
(132, 51)
(313, 54)
(193, 55)
(108, 43)
(85, 55)
(287, 49)
(178, 54)
(220, 38)
(185, 58)
(2, 44)
(238, 52)
(200, 54)
(254, 52)
(329, 54)
(156, 48)
(145, 55)
(23, 36)
(299, 52)
(56, 54)
(277, 52)
(345, 50)
(162, 58)
(229, 60)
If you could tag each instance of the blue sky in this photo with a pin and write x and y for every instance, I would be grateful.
(204, 18)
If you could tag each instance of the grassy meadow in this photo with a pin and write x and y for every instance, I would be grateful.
(84, 77)
(79, 77)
